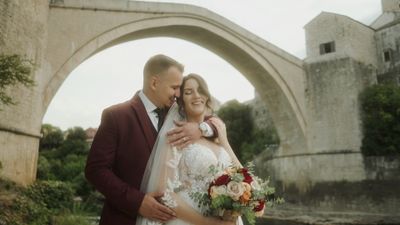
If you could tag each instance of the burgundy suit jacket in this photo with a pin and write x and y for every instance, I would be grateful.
(118, 158)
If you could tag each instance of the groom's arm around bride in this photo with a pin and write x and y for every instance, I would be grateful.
(124, 141)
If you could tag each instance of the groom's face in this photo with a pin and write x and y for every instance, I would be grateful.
(167, 86)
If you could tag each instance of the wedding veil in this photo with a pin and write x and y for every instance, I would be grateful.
(161, 170)
(161, 174)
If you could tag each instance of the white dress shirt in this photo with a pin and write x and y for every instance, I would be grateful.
(150, 107)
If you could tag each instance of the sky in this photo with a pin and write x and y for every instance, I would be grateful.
(115, 74)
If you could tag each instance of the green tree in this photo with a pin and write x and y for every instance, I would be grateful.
(52, 137)
(245, 138)
(44, 169)
(76, 133)
(239, 124)
(66, 160)
(381, 120)
(73, 165)
(261, 140)
(77, 147)
(14, 70)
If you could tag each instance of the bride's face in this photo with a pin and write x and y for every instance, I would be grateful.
(194, 101)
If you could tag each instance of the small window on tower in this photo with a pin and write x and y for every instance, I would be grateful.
(326, 48)
(387, 55)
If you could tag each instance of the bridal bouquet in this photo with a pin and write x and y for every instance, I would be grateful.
(236, 192)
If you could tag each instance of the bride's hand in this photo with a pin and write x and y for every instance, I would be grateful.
(221, 129)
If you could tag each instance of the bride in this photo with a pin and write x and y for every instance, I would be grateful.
(177, 173)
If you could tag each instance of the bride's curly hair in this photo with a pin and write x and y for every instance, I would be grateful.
(203, 89)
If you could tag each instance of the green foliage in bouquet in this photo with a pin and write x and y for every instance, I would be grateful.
(251, 197)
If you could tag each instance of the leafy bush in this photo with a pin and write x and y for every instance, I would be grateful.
(68, 219)
(14, 70)
(43, 169)
(25, 211)
(381, 120)
(65, 161)
(55, 195)
(44, 203)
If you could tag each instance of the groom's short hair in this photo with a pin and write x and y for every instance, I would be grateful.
(160, 63)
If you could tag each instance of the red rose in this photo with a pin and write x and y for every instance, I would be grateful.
(247, 178)
(260, 206)
(222, 180)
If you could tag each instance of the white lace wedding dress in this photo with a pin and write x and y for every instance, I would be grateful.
(194, 165)
(180, 172)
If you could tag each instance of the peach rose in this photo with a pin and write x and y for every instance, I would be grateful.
(245, 197)
(246, 186)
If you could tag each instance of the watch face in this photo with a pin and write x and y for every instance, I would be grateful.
(203, 127)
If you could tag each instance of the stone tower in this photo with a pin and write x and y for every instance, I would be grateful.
(387, 36)
(340, 63)
(391, 6)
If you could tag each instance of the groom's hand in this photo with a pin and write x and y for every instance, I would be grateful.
(152, 209)
(184, 134)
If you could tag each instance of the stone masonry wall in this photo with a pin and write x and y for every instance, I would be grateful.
(352, 39)
(332, 94)
(373, 200)
(23, 31)
(388, 40)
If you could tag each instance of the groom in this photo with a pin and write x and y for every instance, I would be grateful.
(125, 138)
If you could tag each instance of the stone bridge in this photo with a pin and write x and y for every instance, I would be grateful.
(314, 107)
(313, 103)
(67, 32)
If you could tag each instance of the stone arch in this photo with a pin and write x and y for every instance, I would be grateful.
(236, 48)
(69, 31)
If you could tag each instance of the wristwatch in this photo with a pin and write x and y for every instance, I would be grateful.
(203, 126)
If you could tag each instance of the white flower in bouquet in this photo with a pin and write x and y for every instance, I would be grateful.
(255, 185)
(216, 191)
(235, 190)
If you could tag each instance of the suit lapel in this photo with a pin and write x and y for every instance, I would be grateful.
(144, 121)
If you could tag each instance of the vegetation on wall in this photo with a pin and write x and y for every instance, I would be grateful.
(14, 70)
(381, 120)
(61, 195)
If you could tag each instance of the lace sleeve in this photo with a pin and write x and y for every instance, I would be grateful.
(173, 181)
(183, 172)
